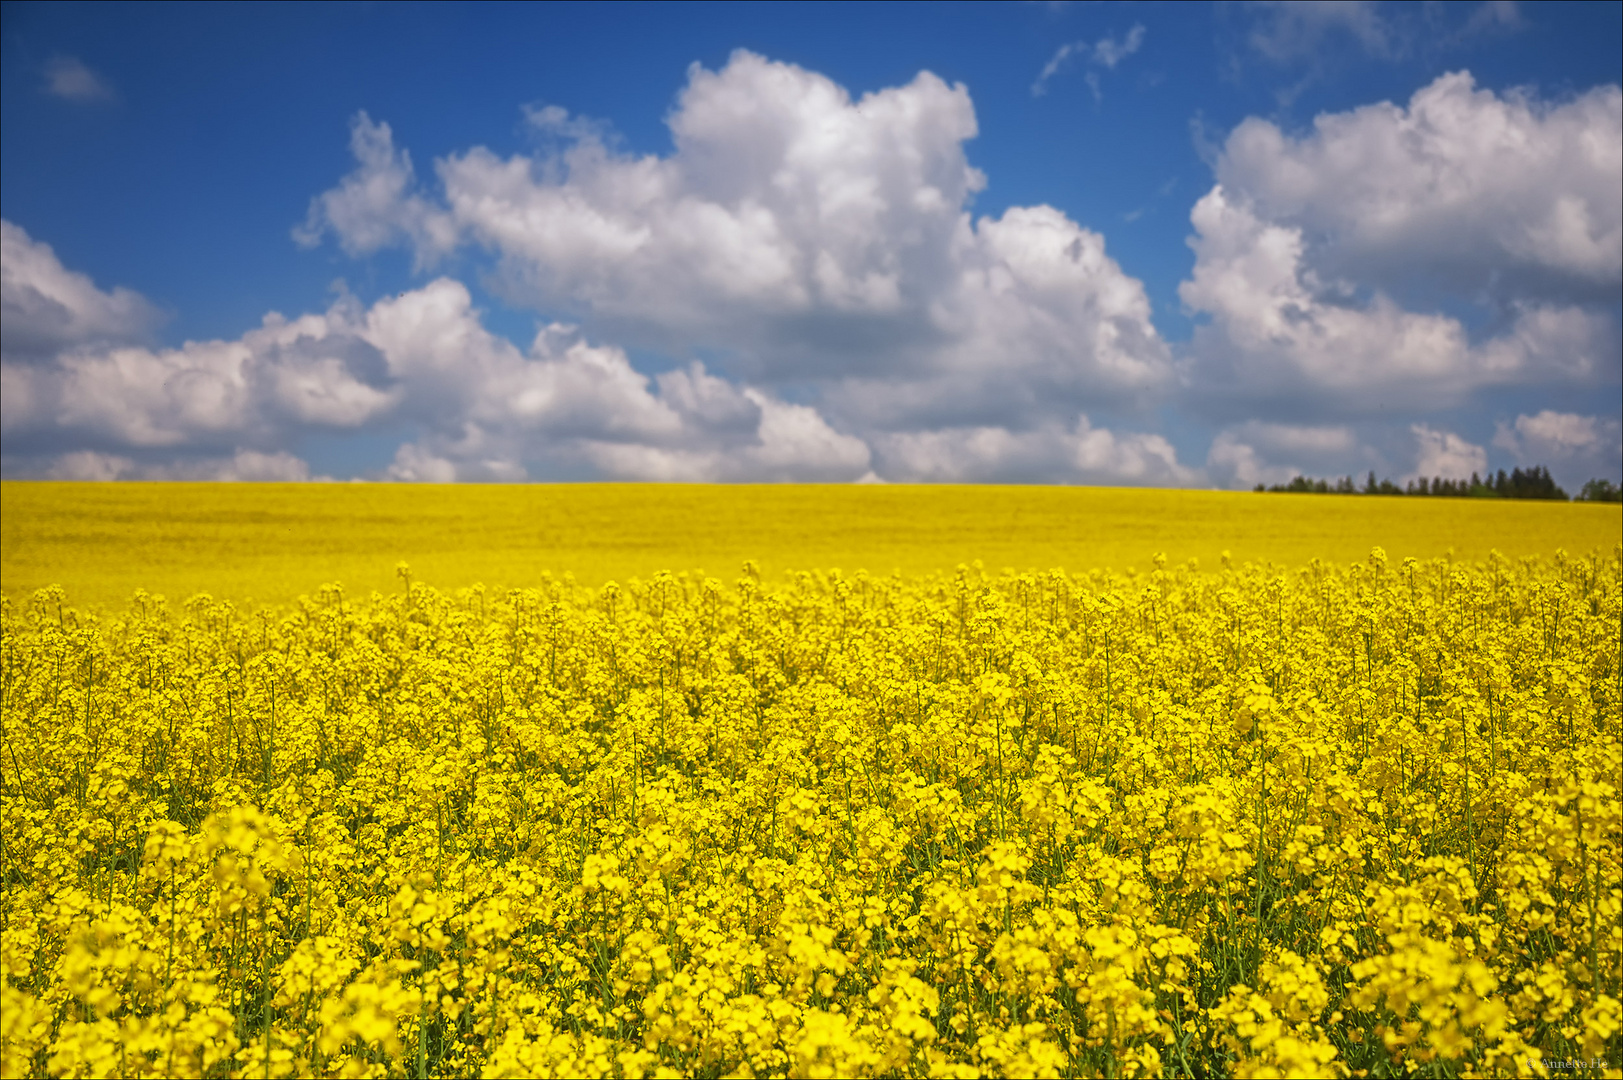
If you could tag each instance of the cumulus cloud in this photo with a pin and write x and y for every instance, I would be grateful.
(1282, 340)
(788, 442)
(554, 121)
(378, 204)
(1307, 247)
(1558, 435)
(486, 409)
(313, 372)
(471, 405)
(46, 308)
(476, 406)
(1257, 452)
(244, 465)
(68, 78)
(1234, 463)
(827, 307)
(797, 237)
(1075, 453)
(83, 393)
(1575, 447)
(1491, 192)
(1445, 454)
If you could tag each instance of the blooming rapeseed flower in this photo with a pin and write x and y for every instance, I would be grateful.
(1340, 822)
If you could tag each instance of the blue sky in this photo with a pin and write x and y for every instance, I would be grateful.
(1104, 243)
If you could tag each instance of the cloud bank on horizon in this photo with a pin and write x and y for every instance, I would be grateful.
(800, 289)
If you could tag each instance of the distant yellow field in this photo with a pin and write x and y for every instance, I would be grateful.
(266, 544)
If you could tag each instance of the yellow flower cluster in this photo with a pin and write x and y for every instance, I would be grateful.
(1346, 821)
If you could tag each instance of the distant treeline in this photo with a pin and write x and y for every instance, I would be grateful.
(1534, 483)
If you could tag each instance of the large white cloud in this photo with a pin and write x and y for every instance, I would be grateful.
(1445, 454)
(244, 465)
(474, 405)
(1282, 339)
(1575, 447)
(485, 409)
(828, 308)
(1559, 435)
(78, 374)
(463, 403)
(44, 307)
(1487, 191)
(1053, 453)
(376, 205)
(1309, 250)
(1256, 452)
(797, 236)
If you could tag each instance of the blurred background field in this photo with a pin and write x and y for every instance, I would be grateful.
(265, 544)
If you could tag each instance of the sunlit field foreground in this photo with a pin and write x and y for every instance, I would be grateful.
(1356, 818)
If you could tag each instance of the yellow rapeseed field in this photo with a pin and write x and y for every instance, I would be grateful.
(255, 544)
(1321, 817)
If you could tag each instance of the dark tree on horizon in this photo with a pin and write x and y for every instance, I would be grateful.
(1530, 483)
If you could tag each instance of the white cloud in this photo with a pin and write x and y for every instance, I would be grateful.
(1042, 321)
(786, 210)
(1107, 52)
(797, 237)
(45, 308)
(475, 405)
(1307, 248)
(488, 409)
(1549, 434)
(75, 378)
(856, 322)
(1492, 18)
(1487, 191)
(1256, 452)
(1234, 463)
(1076, 453)
(414, 465)
(816, 250)
(1285, 30)
(377, 205)
(314, 372)
(1445, 454)
(1039, 86)
(789, 442)
(244, 465)
(794, 442)
(253, 465)
(1573, 446)
(1281, 339)
(68, 78)
(91, 465)
(554, 121)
